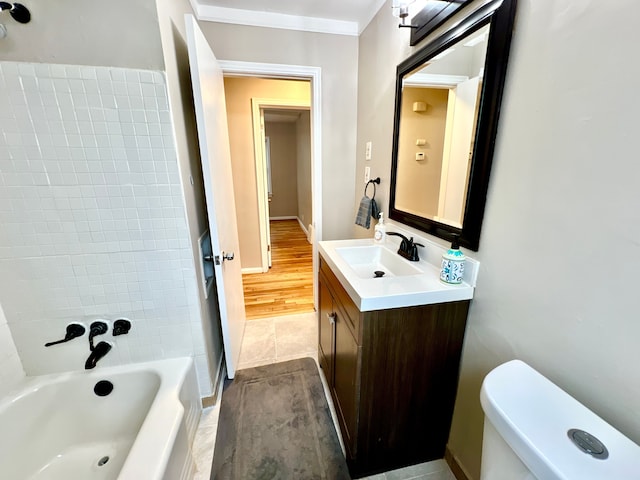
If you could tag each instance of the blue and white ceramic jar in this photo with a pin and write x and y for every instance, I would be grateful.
(452, 269)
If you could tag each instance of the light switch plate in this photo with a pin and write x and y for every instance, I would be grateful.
(367, 151)
(367, 174)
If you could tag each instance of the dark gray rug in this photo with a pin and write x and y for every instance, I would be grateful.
(275, 424)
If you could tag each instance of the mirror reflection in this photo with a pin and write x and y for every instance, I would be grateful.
(437, 125)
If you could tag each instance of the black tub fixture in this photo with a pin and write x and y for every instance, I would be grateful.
(19, 12)
(103, 388)
(96, 354)
(121, 327)
(96, 328)
(74, 330)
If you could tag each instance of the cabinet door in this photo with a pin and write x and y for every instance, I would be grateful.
(326, 329)
(345, 379)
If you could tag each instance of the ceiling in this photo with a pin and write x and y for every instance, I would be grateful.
(348, 17)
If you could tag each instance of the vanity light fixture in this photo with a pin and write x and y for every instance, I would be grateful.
(401, 11)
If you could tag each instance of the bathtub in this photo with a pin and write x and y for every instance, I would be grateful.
(68, 426)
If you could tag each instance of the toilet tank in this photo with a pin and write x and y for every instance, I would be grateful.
(536, 421)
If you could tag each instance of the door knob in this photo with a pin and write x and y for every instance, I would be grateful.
(218, 259)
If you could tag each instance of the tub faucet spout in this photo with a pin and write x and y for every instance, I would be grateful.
(97, 353)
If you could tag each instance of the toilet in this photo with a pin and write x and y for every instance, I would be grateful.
(533, 430)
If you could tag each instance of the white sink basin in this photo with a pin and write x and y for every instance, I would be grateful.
(403, 284)
(366, 260)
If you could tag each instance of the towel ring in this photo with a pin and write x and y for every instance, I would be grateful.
(374, 181)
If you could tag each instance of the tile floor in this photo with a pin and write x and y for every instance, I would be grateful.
(280, 339)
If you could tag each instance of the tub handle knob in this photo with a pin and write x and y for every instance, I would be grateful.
(121, 327)
(74, 330)
(95, 329)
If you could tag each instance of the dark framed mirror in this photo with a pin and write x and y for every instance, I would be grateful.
(434, 14)
(448, 97)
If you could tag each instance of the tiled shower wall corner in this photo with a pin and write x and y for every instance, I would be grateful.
(11, 371)
(93, 218)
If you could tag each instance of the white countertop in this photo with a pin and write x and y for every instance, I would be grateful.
(391, 292)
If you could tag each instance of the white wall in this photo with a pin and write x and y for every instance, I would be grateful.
(303, 156)
(118, 33)
(93, 216)
(11, 371)
(561, 234)
(382, 46)
(284, 168)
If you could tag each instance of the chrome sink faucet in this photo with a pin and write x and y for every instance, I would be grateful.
(408, 248)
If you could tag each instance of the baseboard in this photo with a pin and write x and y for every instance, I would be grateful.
(252, 270)
(286, 217)
(221, 373)
(455, 466)
(307, 231)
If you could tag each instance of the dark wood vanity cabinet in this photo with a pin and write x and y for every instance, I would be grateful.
(393, 376)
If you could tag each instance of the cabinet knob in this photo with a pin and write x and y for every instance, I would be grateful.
(332, 318)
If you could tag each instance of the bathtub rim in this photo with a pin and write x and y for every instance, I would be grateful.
(158, 431)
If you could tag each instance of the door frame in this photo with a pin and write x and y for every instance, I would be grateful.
(257, 107)
(235, 68)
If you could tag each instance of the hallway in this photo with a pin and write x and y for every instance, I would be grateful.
(287, 288)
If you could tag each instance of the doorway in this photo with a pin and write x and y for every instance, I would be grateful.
(278, 183)
(271, 154)
(313, 76)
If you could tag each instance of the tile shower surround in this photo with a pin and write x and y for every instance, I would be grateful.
(92, 216)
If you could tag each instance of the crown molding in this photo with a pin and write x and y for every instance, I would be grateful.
(256, 18)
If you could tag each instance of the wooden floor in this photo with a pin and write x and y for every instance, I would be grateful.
(287, 288)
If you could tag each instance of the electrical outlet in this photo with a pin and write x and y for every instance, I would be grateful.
(367, 152)
(367, 174)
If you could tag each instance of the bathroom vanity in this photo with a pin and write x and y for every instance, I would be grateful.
(390, 351)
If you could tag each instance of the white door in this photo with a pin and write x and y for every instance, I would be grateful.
(213, 137)
(267, 162)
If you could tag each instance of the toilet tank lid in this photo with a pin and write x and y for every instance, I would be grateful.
(533, 416)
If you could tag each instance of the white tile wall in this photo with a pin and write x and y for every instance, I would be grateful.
(92, 214)
(11, 371)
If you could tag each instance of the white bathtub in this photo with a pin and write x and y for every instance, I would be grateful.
(56, 427)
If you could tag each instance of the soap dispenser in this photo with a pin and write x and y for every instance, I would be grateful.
(453, 264)
(380, 234)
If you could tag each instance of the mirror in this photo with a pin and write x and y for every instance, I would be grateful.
(446, 116)
(434, 14)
